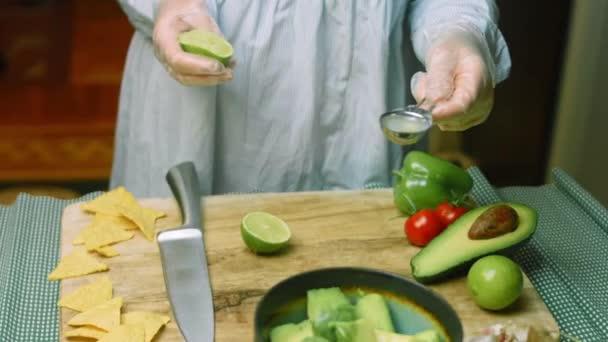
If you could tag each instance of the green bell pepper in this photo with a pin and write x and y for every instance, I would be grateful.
(424, 181)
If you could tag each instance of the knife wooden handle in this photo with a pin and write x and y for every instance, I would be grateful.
(183, 181)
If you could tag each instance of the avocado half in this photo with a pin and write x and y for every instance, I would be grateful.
(453, 252)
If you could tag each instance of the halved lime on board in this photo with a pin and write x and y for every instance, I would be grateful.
(206, 43)
(264, 233)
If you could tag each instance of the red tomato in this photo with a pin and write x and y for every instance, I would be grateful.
(422, 227)
(448, 213)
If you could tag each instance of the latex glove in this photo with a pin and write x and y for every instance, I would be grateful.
(174, 17)
(459, 82)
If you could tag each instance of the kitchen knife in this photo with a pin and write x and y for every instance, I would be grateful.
(184, 262)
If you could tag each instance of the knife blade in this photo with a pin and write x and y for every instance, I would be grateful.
(184, 261)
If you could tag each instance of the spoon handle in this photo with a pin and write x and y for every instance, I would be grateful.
(430, 109)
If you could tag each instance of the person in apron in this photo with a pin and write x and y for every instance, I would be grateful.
(299, 109)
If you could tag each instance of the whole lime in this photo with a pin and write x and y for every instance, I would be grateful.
(495, 282)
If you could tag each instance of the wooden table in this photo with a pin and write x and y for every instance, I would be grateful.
(329, 229)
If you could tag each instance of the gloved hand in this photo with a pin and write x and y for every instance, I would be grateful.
(173, 18)
(459, 83)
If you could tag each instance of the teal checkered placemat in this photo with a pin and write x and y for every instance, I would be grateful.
(30, 232)
(567, 257)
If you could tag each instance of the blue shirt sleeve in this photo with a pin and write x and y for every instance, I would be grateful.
(429, 19)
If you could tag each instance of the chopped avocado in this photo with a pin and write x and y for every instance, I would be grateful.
(361, 330)
(323, 301)
(385, 336)
(427, 336)
(291, 332)
(452, 251)
(424, 336)
(328, 305)
(322, 324)
(315, 339)
(373, 308)
(332, 318)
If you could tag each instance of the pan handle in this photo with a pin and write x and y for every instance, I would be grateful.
(183, 181)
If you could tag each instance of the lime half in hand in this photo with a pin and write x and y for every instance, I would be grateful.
(264, 233)
(206, 43)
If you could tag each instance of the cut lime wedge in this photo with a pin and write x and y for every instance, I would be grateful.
(264, 233)
(206, 43)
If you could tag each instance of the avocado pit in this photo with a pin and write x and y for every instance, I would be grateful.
(493, 222)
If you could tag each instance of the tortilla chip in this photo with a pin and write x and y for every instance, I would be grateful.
(89, 295)
(147, 211)
(118, 221)
(157, 213)
(144, 218)
(115, 221)
(100, 233)
(87, 332)
(104, 316)
(76, 264)
(78, 240)
(107, 251)
(151, 321)
(125, 333)
(106, 203)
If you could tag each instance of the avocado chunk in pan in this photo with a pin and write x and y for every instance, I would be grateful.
(454, 251)
(360, 330)
(292, 332)
(373, 308)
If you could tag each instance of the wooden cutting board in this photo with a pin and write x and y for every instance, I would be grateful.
(329, 229)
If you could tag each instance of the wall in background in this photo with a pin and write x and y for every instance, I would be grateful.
(60, 69)
(581, 131)
(512, 146)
